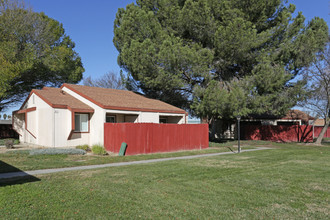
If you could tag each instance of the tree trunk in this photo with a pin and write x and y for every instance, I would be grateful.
(324, 129)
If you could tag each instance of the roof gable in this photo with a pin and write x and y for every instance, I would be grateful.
(57, 98)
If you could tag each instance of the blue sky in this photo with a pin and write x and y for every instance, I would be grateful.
(90, 26)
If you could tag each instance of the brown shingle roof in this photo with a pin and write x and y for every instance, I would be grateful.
(57, 98)
(121, 99)
(294, 114)
(298, 115)
(319, 122)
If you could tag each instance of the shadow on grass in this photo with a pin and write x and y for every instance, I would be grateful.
(14, 175)
(221, 141)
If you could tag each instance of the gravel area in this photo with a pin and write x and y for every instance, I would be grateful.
(3, 148)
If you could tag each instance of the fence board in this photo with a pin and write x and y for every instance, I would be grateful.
(145, 138)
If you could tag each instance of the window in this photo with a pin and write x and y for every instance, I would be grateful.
(163, 120)
(81, 122)
(287, 123)
(110, 119)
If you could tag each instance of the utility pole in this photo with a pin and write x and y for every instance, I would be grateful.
(238, 132)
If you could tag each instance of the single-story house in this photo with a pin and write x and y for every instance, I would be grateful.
(227, 129)
(74, 114)
(293, 117)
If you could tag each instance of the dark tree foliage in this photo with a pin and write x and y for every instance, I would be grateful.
(218, 58)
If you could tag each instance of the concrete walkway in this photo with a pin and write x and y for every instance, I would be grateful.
(88, 167)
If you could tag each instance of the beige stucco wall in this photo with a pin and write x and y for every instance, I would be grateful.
(78, 139)
(45, 122)
(18, 125)
(149, 117)
(45, 125)
(31, 136)
(62, 126)
(97, 119)
(39, 123)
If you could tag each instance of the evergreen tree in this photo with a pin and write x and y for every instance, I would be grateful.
(34, 52)
(218, 58)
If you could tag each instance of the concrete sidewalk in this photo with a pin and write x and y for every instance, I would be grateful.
(88, 167)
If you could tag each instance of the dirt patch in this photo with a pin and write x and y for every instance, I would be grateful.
(296, 162)
(3, 149)
(282, 208)
(220, 163)
(318, 187)
(317, 208)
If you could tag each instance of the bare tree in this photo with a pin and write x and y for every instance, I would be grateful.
(109, 80)
(318, 98)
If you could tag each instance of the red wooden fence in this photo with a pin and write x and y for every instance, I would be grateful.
(281, 133)
(317, 131)
(145, 138)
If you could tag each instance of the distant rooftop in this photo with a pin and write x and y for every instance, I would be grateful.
(6, 122)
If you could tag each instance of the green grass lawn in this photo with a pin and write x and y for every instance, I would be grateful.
(290, 181)
(20, 159)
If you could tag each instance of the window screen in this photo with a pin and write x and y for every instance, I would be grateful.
(81, 122)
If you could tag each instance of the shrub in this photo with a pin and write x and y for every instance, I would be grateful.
(84, 147)
(2, 141)
(9, 143)
(99, 150)
(54, 151)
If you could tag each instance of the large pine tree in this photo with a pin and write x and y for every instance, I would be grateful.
(218, 58)
(34, 52)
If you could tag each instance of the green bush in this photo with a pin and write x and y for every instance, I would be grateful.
(55, 151)
(99, 150)
(84, 147)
